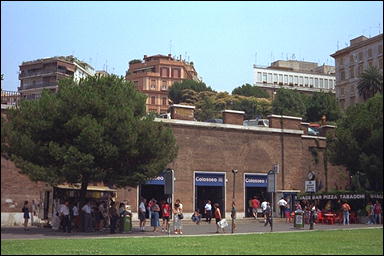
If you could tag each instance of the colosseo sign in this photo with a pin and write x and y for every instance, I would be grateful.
(209, 179)
(159, 180)
(256, 180)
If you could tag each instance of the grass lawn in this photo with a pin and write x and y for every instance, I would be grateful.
(357, 241)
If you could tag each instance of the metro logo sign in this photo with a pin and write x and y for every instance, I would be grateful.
(209, 179)
(253, 180)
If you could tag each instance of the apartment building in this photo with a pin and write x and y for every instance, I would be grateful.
(45, 73)
(155, 75)
(351, 62)
(305, 77)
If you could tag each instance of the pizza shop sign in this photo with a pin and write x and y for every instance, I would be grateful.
(330, 197)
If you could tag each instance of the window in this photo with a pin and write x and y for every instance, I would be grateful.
(280, 79)
(176, 73)
(351, 60)
(290, 79)
(321, 83)
(164, 72)
(285, 79)
(295, 80)
(342, 74)
(360, 56)
(275, 78)
(351, 71)
(326, 84)
(153, 100)
(153, 84)
(164, 87)
(311, 82)
(269, 78)
(342, 91)
(164, 101)
(369, 53)
(306, 81)
(370, 63)
(380, 49)
(264, 77)
(258, 79)
(341, 61)
(360, 69)
(316, 83)
(301, 81)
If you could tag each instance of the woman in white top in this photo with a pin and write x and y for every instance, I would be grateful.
(208, 211)
(177, 212)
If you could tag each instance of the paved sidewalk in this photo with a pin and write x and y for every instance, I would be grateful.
(244, 226)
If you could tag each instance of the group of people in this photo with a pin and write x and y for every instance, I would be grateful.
(374, 212)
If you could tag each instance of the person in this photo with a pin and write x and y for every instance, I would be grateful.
(149, 206)
(103, 214)
(298, 206)
(208, 211)
(166, 213)
(377, 212)
(282, 204)
(76, 217)
(113, 217)
(217, 215)
(264, 207)
(370, 213)
(142, 213)
(196, 217)
(155, 211)
(345, 208)
(122, 214)
(177, 213)
(268, 215)
(25, 211)
(87, 216)
(64, 213)
(255, 204)
(287, 214)
(180, 204)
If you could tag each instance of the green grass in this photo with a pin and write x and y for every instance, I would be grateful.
(357, 241)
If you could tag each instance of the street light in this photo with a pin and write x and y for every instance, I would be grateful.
(233, 212)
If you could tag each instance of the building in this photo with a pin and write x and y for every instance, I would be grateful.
(351, 62)
(208, 152)
(45, 73)
(155, 75)
(305, 77)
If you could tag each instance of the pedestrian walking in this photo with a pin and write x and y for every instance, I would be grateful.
(377, 211)
(25, 211)
(218, 216)
(155, 211)
(282, 204)
(268, 214)
(345, 208)
(113, 217)
(87, 213)
(208, 211)
(177, 216)
(263, 208)
(65, 216)
(370, 213)
(141, 213)
(76, 217)
(255, 204)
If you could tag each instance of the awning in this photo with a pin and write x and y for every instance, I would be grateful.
(89, 188)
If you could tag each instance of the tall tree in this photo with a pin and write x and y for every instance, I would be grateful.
(370, 82)
(249, 90)
(358, 144)
(175, 93)
(93, 131)
(321, 103)
(288, 102)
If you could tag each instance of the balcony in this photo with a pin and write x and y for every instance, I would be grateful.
(38, 85)
(9, 99)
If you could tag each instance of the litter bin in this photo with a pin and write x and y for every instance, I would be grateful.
(299, 219)
(127, 223)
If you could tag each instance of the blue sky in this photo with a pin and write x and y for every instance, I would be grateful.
(223, 39)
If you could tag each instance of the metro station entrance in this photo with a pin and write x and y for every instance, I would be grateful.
(255, 185)
(153, 189)
(209, 186)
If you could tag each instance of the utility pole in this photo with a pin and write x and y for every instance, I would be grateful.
(233, 212)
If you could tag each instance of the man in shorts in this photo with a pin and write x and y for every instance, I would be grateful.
(142, 211)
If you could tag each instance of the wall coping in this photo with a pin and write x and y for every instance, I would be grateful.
(229, 126)
(286, 117)
(329, 126)
(313, 137)
(182, 106)
(233, 111)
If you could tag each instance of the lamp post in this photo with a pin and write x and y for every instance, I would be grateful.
(233, 211)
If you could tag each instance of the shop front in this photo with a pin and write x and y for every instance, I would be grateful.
(255, 184)
(209, 186)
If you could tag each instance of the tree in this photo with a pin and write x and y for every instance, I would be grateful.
(370, 82)
(288, 102)
(93, 131)
(358, 144)
(175, 92)
(249, 90)
(321, 103)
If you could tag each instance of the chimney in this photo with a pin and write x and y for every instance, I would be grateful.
(233, 117)
(327, 130)
(289, 122)
(182, 112)
(145, 56)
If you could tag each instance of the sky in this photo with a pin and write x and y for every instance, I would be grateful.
(223, 39)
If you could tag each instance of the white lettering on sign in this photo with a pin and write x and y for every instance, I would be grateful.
(158, 178)
(250, 180)
(208, 179)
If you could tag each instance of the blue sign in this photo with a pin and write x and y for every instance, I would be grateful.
(253, 180)
(209, 179)
(159, 180)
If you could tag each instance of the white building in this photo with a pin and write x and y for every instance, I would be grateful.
(307, 79)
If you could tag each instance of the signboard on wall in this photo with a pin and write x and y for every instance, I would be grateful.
(310, 186)
(159, 180)
(256, 180)
(209, 179)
